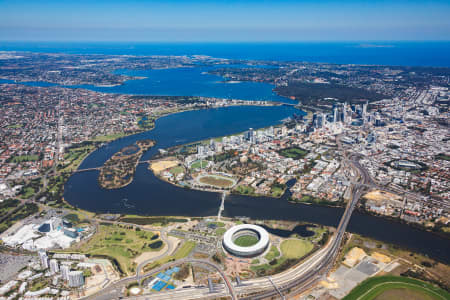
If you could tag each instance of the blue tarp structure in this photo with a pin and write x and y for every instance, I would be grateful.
(170, 287)
(163, 276)
(159, 285)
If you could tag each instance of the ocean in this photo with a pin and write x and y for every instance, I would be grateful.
(430, 53)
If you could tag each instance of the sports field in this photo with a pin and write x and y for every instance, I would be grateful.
(246, 240)
(293, 152)
(199, 164)
(215, 180)
(395, 287)
(294, 248)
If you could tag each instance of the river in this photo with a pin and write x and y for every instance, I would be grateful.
(147, 195)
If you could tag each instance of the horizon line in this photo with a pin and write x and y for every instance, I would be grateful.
(222, 41)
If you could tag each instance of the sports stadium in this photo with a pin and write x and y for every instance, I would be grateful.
(246, 240)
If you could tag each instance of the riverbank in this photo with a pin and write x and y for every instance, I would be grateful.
(83, 191)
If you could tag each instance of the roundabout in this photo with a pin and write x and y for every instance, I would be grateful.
(246, 240)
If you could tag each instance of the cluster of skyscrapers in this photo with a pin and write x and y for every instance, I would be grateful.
(344, 113)
(73, 278)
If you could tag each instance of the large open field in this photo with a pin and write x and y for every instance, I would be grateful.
(180, 253)
(294, 248)
(395, 287)
(161, 165)
(293, 152)
(246, 240)
(176, 170)
(245, 189)
(199, 164)
(74, 156)
(215, 180)
(122, 244)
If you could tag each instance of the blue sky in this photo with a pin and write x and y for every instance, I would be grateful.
(170, 20)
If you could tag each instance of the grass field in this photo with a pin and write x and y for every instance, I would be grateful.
(220, 231)
(273, 253)
(14, 126)
(276, 191)
(74, 156)
(294, 248)
(245, 189)
(109, 137)
(27, 192)
(176, 170)
(182, 252)
(22, 158)
(199, 164)
(246, 240)
(443, 156)
(293, 152)
(120, 243)
(394, 287)
(218, 224)
(216, 181)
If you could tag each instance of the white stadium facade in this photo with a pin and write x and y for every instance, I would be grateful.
(246, 229)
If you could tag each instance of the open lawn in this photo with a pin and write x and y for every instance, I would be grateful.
(27, 192)
(109, 137)
(394, 287)
(176, 170)
(443, 156)
(22, 158)
(14, 126)
(182, 252)
(294, 248)
(218, 224)
(293, 152)
(122, 244)
(246, 240)
(245, 189)
(74, 156)
(273, 253)
(220, 231)
(276, 191)
(199, 164)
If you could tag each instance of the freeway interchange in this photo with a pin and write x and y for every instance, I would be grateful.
(287, 283)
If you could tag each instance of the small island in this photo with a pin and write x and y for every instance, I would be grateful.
(118, 171)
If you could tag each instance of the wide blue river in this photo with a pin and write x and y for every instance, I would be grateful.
(147, 195)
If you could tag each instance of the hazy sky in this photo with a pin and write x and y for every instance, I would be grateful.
(171, 20)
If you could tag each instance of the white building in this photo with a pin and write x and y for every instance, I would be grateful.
(76, 278)
(44, 259)
(54, 267)
(65, 270)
